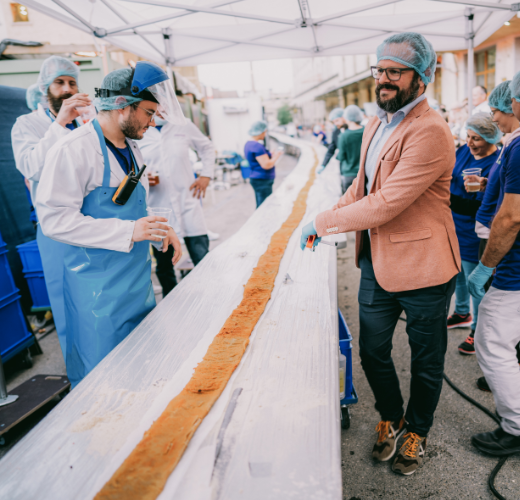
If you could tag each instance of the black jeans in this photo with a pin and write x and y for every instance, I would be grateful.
(346, 182)
(198, 247)
(263, 188)
(426, 325)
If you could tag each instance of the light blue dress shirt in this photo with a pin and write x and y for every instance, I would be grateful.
(382, 135)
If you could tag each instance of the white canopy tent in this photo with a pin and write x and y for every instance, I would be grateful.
(205, 31)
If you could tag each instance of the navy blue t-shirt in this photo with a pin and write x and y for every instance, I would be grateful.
(507, 275)
(252, 149)
(487, 210)
(465, 224)
(123, 156)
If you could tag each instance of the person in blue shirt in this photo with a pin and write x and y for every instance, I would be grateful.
(480, 152)
(261, 161)
(497, 331)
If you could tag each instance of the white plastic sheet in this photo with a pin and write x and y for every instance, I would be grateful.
(283, 437)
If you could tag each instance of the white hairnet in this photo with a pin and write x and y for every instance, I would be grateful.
(52, 68)
(33, 96)
(257, 128)
(412, 50)
(500, 97)
(483, 125)
(514, 86)
(335, 114)
(116, 80)
(353, 114)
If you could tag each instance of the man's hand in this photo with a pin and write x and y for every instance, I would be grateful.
(68, 108)
(199, 187)
(475, 178)
(321, 168)
(477, 279)
(148, 227)
(171, 239)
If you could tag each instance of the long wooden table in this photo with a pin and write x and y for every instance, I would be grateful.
(274, 432)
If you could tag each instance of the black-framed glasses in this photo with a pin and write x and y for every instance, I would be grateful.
(393, 74)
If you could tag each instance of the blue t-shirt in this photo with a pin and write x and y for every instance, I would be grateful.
(507, 275)
(252, 149)
(123, 156)
(487, 210)
(465, 224)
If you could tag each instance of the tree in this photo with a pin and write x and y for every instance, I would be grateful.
(284, 115)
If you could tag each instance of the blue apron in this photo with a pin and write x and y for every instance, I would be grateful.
(107, 293)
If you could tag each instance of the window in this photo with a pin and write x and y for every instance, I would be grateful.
(485, 68)
(20, 14)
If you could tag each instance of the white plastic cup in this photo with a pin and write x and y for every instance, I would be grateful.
(472, 187)
(86, 113)
(160, 212)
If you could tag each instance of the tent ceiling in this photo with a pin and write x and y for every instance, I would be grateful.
(206, 31)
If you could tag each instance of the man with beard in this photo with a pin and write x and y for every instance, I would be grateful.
(406, 245)
(32, 136)
(107, 264)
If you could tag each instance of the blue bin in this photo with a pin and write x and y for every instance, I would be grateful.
(7, 286)
(345, 346)
(39, 295)
(30, 255)
(14, 336)
(246, 172)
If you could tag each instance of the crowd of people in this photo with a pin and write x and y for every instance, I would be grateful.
(436, 211)
(96, 211)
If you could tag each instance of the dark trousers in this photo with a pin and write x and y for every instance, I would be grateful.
(346, 182)
(426, 315)
(263, 188)
(198, 247)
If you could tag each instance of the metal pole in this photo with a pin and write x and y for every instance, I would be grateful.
(167, 33)
(5, 399)
(471, 57)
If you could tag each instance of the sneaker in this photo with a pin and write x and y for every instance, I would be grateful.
(388, 434)
(459, 321)
(411, 454)
(483, 385)
(468, 346)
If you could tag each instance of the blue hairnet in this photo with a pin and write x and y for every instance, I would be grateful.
(514, 86)
(353, 114)
(335, 114)
(483, 125)
(33, 96)
(52, 68)
(500, 98)
(116, 80)
(257, 128)
(412, 50)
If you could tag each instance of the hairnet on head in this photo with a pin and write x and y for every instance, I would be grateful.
(52, 68)
(116, 80)
(412, 50)
(335, 114)
(33, 96)
(514, 86)
(500, 98)
(482, 124)
(353, 114)
(257, 128)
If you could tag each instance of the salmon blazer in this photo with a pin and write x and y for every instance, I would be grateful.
(413, 239)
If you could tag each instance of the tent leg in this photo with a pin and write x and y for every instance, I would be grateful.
(470, 35)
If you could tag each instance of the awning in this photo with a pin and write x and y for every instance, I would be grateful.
(198, 32)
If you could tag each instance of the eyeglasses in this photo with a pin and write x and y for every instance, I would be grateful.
(393, 74)
(492, 112)
(151, 114)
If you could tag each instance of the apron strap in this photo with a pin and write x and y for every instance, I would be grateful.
(102, 143)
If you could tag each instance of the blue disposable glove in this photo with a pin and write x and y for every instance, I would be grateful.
(308, 230)
(321, 168)
(478, 278)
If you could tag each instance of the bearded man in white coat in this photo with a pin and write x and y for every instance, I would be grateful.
(166, 151)
(32, 137)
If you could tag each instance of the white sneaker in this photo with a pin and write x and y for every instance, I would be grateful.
(213, 236)
(157, 289)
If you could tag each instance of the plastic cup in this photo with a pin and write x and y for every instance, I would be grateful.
(473, 186)
(160, 212)
(86, 113)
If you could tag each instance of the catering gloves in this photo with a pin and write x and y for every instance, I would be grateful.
(321, 168)
(478, 278)
(308, 230)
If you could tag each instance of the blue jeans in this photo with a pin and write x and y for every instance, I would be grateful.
(263, 188)
(462, 296)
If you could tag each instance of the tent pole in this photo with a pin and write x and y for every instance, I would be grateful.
(470, 35)
(167, 33)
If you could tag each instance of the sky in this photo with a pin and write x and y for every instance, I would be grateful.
(276, 75)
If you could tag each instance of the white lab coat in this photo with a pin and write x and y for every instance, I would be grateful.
(167, 152)
(73, 169)
(32, 136)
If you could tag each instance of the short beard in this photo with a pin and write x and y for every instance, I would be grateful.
(131, 127)
(55, 103)
(402, 97)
